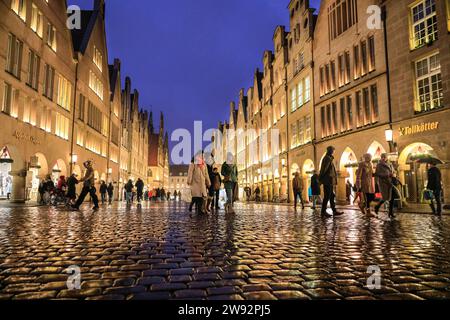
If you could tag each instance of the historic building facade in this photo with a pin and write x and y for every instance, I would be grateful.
(158, 155)
(353, 83)
(178, 179)
(62, 103)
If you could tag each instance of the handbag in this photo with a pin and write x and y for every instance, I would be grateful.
(428, 195)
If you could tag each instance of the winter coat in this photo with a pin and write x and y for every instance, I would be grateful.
(71, 187)
(216, 181)
(297, 184)
(110, 190)
(364, 177)
(383, 175)
(103, 188)
(434, 179)
(315, 185)
(198, 180)
(328, 175)
(229, 172)
(139, 186)
(129, 187)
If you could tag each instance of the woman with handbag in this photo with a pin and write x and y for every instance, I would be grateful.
(384, 174)
(198, 180)
(229, 173)
(364, 183)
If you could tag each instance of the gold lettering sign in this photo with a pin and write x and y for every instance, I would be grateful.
(22, 136)
(419, 128)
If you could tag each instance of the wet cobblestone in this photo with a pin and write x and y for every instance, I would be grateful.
(160, 251)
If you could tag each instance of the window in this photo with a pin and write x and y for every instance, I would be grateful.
(105, 125)
(64, 93)
(429, 83)
(357, 66)
(342, 107)
(342, 15)
(294, 135)
(335, 119)
(323, 122)
(333, 76)
(98, 59)
(80, 137)
(7, 98)
(34, 63)
(62, 126)
(51, 36)
(29, 111)
(322, 82)
(364, 66)
(307, 89)
(20, 8)
(49, 81)
(374, 100)
(359, 114)
(329, 123)
(96, 84)
(82, 108)
(448, 15)
(327, 79)
(308, 136)
(347, 68)
(37, 21)
(293, 99)
(349, 113)
(371, 54)
(424, 23)
(94, 117)
(341, 74)
(300, 94)
(46, 120)
(366, 102)
(115, 134)
(14, 56)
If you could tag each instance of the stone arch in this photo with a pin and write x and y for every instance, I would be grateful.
(42, 163)
(294, 168)
(376, 149)
(308, 167)
(58, 169)
(348, 159)
(417, 147)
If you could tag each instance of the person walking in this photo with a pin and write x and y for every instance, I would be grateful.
(72, 182)
(435, 185)
(103, 191)
(198, 180)
(139, 190)
(216, 183)
(209, 159)
(88, 187)
(364, 183)
(328, 178)
(315, 189)
(297, 187)
(257, 194)
(229, 173)
(110, 191)
(384, 174)
(129, 191)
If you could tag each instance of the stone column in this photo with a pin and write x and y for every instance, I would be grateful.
(18, 186)
(341, 197)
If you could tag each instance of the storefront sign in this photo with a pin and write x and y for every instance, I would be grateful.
(419, 128)
(22, 136)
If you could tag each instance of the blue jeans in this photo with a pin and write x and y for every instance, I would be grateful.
(229, 193)
(129, 197)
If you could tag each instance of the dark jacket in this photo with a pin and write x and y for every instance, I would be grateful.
(71, 187)
(315, 185)
(216, 181)
(434, 179)
(129, 187)
(110, 190)
(103, 188)
(328, 175)
(140, 186)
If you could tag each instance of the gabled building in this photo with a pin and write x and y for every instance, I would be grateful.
(158, 155)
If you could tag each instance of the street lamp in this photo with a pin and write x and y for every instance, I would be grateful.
(73, 159)
(389, 134)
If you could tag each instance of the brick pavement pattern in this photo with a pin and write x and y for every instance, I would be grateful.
(267, 252)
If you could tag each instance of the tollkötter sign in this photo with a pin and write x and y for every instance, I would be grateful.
(419, 128)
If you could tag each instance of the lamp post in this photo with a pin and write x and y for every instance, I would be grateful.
(389, 135)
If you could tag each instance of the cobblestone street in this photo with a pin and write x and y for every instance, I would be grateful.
(262, 252)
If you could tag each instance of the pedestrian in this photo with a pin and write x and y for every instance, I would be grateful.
(168, 196)
(348, 190)
(229, 173)
(257, 194)
(315, 189)
(110, 191)
(163, 194)
(129, 192)
(435, 185)
(297, 187)
(216, 183)
(72, 182)
(41, 191)
(139, 190)
(328, 178)
(198, 180)
(364, 183)
(209, 159)
(103, 191)
(88, 187)
(384, 174)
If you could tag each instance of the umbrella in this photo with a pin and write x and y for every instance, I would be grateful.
(426, 158)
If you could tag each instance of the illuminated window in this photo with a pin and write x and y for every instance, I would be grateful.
(98, 59)
(49, 81)
(428, 84)
(14, 56)
(34, 63)
(424, 23)
(7, 98)
(37, 21)
(64, 93)
(20, 8)
(51, 36)
(62, 126)
(96, 84)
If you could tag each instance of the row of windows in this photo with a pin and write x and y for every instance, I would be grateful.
(301, 94)
(301, 132)
(96, 84)
(36, 22)
(363, 63)
(342, 14)
(366, 110)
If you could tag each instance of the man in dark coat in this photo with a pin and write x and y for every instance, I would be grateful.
(71, 187)
(297, 187)
(315, 189)
(110, 190)
(88, 187)
(103, 191)
(328, 178)
(435, 185)
(139, 189)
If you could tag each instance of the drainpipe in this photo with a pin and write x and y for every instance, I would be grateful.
(73, 117)
(288, 145)
(388, 78)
